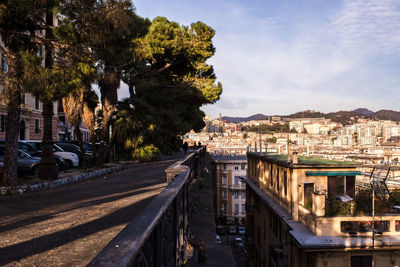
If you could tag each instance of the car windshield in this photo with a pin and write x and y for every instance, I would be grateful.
(26, 148)
(57, 148)
(22, 154)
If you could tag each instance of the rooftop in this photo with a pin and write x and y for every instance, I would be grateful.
(302, 160)
(229, 158)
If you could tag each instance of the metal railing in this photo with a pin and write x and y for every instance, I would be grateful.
(237, 186)
(158, 236)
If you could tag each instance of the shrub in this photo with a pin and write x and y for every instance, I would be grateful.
(146, 153)
(336, 207)
(362, 200)
(308, 205)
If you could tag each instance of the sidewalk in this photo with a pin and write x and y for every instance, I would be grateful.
(68, 226)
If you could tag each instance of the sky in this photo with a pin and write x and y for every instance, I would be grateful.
(284, 56)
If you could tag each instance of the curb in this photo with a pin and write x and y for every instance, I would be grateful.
(7, 190)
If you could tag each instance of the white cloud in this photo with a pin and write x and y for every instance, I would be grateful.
(277, 60)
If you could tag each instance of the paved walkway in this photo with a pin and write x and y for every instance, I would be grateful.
(68, 226)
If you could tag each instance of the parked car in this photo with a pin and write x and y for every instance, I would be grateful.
(72, 148)
(242, 230)
(86, 146)
(27, 165)
(33, 152)
(71, 159)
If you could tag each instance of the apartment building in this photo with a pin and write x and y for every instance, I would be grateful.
(31, 121)
(295, 216)
(230, 189)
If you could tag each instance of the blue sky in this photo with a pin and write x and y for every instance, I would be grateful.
(284, 56)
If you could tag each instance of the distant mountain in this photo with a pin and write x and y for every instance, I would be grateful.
(364, 111)
(387, 115)
(344, 117)
(255, 117)
(307, 114)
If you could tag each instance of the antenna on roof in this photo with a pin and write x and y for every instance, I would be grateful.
(379, 188)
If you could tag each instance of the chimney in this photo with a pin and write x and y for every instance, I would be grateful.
(295, 158)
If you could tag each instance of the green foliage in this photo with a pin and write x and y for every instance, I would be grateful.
(336, 207)
(363, 202)
(266, 128)
(146, 153)
(309, 204)
(395, 197)
(170, 80)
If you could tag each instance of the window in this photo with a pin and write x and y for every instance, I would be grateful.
(335, 186)
(224, 179)
(243, 194)
(236, 208)
(224, 193)
(236, 167)
(243, 208)
(224, 166)
(36, 102)
(37, 128)
(361, 261)
(3, 122)
(243, 166)
(236, 195)
(236, 180)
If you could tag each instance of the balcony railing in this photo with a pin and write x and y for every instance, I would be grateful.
(157, 237)
(237, 186)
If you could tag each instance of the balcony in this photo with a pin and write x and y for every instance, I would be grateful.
(237, 186)
(345, 225)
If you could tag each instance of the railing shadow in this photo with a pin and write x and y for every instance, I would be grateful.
(158, 236)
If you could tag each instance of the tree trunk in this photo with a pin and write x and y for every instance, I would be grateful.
(131, 88)
(79, 138)
(89, 119)
(13, 91)
(109, 85)
(48, 165)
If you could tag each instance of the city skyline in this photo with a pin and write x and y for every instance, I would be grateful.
(281, 57)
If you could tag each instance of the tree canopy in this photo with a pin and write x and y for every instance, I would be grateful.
(170, 80)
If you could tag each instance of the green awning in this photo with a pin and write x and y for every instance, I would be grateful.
(333, 173)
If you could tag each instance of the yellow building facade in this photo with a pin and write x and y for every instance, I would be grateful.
(291, 220)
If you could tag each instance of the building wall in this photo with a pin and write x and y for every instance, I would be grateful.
(268, 234)
(230, 188)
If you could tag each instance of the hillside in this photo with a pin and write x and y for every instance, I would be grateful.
(243, 119)
(387, 115)
(344, 117)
